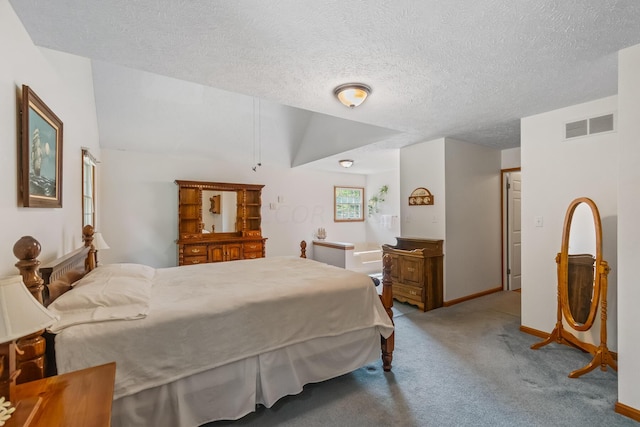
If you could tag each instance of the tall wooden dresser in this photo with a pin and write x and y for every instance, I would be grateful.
(417, 271)
(219, 221)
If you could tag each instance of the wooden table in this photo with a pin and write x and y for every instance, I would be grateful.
(76, 399)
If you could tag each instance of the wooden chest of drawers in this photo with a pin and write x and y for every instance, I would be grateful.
(220, 250)
(417, 271)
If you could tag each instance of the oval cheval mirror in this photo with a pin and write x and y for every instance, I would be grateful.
(582, 285)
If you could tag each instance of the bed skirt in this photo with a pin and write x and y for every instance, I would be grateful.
(231, 391)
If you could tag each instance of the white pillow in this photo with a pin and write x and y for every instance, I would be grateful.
(110, 292)
(121, 270)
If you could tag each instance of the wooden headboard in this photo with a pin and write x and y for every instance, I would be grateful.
(45, 284)
(73, 261)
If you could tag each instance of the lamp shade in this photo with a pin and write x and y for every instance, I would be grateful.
(352, 94)
(20, 313)
(98, 242)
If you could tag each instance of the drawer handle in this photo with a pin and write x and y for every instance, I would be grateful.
(252, 256)
(411, 269)
(253, 246)
(195, 250)
(195, 261)
(413, 292)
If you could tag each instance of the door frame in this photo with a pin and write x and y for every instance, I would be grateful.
(504, 221)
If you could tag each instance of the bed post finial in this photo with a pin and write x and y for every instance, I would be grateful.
(31, 358)
(87, 238)
(303, 249)
(27, 250)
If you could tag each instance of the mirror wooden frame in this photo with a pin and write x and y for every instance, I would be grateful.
(601, 355)
(563, 266)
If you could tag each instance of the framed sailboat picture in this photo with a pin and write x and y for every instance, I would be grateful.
(40, 156)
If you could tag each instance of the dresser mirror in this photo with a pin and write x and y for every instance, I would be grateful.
(219, 211)
(582, 285)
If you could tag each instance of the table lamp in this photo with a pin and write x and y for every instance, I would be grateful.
(99, 244)
(20, 315)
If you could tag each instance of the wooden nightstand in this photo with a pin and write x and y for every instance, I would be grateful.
(76, 399)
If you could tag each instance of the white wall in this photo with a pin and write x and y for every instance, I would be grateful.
(423, 165)
(555, 172)
(628, 226)
(378, 229)
(139, 204)
(468, 218)
(64, 83)
(510, 158)
(472, 260)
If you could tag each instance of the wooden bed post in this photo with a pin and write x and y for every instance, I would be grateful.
(31, 349)
(87, 238)
(387, 344)
(387, 301)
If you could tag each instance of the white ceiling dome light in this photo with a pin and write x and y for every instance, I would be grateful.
(352, 94)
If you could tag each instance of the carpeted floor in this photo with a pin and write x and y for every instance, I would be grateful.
(464, 365)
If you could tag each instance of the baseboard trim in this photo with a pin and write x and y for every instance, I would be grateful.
(472, 296)
(534, 332)
(627, 411)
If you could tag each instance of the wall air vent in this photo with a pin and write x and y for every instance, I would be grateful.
(589, 126)
(601, 124)
(575, 129)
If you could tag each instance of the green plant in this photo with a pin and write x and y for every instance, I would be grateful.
(376, 199)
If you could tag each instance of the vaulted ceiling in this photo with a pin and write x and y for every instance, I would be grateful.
(254, 79)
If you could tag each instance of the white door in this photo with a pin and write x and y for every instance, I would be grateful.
(514, 242)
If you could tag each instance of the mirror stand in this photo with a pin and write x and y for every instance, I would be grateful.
(601, 355)
(582, 286)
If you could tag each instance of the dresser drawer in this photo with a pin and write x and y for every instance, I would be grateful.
(195, 259)
(252, 255)
(411, 292)
(253, 247)
(412, 270)
(199, 250)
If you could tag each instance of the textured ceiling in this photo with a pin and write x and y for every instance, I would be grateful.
(463, 69)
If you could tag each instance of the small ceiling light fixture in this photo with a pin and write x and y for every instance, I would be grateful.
(352, 94)
(346, 163)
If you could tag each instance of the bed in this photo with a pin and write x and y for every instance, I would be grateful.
(195, 344)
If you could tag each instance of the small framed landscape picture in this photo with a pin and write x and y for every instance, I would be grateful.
(40, 159)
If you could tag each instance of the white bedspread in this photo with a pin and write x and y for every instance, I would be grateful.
(208, 315)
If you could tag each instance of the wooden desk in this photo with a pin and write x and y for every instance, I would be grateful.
(77, 399)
